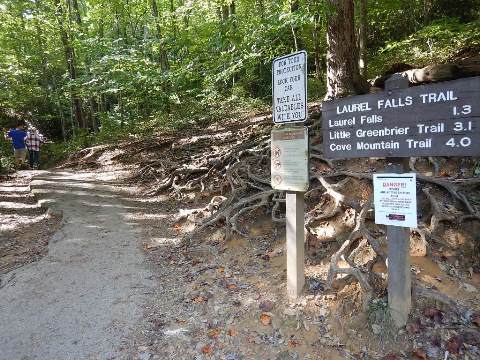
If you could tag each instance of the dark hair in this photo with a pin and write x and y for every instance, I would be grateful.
(20, 124)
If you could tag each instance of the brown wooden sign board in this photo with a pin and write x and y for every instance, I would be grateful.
(441, 119)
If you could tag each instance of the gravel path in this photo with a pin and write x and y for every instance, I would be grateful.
(85, 298)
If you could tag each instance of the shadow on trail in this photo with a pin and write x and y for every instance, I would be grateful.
(25, 229)
(84, 298)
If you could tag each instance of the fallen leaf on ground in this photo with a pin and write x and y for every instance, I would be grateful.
(266, 305)
(454, 344)
(221, 270)
(213, 333)
(177, 227)
(250, 339)
(231, 286)
(436, 340)
(207, 349)
(265, 319)
(476, 319)
(292, 343)
(391, 357)
(413, 328)
(433, 314)
(419, 354)
(148, 247)
(471, 337)
(199, 299)
(232, 332)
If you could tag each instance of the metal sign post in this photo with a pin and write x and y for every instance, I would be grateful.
(289, 158)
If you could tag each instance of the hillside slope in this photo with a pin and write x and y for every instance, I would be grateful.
(223, 230)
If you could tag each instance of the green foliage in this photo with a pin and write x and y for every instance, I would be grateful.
(189, 63)
(7, 163)
(435, 43)
(380, 320)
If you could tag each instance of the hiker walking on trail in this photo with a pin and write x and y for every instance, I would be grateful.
(18, 141)
(33, 140)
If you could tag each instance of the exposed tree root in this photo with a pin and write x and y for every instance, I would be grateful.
(348, 247)
(438, 212)
(233, 166)
(455, 305)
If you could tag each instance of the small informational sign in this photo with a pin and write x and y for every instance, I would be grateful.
(289, 159)
(395, 199)
(289, 83)
(441, 119)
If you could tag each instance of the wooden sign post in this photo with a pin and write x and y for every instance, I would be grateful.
(295, 243)
(399, 274)
(398, 237)
(289, 158)
(289, 172)
(441, 119)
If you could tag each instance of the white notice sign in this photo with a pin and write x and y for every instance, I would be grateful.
(289, 167)
(289, 82)
(395, 199)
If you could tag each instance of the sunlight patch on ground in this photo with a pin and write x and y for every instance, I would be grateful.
(24, 220)
(151, 199)
(16, 205)
(175, 332)
(143, 216)
(11, 189)
(164, 241)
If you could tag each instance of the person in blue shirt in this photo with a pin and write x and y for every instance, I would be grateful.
(18, 141)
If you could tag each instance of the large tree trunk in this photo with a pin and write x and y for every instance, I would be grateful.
(92, 111)
(316, 39)
(174, 19)
(70, 61)
(343, 75)
(260, 7)
(362, 38)
(294, 6)
(163, 54)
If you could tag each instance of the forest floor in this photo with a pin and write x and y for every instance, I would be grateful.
(215, 296)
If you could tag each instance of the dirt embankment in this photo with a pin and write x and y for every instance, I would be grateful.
(25, 226)
(221, 285)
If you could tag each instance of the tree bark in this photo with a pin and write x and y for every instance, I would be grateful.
(343, 75)
(294, 6)
(92, 111)
(362, 38)
(174, 19)
(261, 8)
(316, 39)
(163, 54)
(70, 61)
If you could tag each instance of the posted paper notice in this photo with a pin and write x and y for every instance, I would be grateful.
(395, 199)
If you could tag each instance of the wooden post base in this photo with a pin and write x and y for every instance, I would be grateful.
(295, 243)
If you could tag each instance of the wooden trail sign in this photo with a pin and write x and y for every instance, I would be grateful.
(441, 119)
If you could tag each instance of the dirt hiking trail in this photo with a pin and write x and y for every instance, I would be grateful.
(84, 299)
